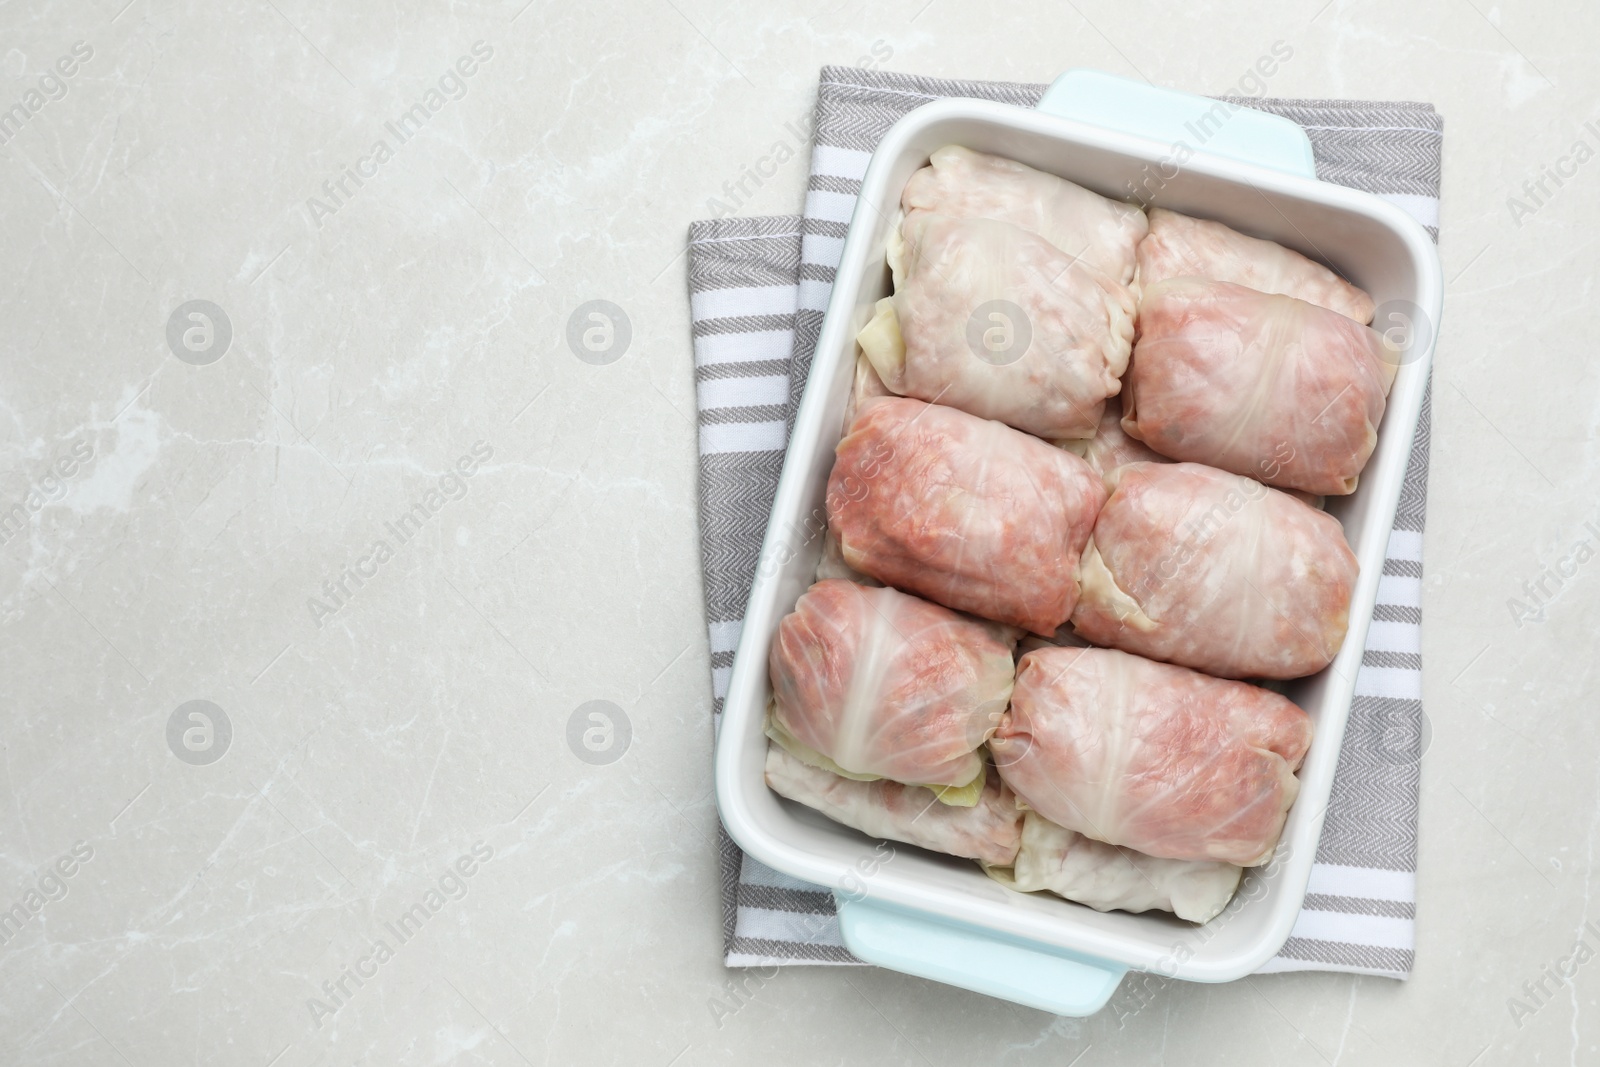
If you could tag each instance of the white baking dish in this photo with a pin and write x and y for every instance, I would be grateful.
(943, 918)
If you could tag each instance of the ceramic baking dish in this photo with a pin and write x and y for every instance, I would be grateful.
(940, 917)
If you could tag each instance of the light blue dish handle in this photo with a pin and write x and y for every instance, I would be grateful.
(975, 959)
(1205, 126)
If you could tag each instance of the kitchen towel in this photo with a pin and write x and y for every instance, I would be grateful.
(758, 290)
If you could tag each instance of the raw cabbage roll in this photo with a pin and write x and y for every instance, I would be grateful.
(1179, 246)
(970, 513)
(1158, 758)
(998, 322)
(1215, 571)
(1271, 387)
(880, 684)
(1111, 447)
(988, 831)
(1108, 878)
(960, 182)
(865, 385)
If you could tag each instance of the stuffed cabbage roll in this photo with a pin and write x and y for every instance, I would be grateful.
(864, 386)
(1271, 387)
(998, 322)
(1215, 571)
(989, 831)
(964, 511)
(966, 184)
(1179, 246)
(1111, 447)
(1159, 758)
(1108, 878)
(881, 684)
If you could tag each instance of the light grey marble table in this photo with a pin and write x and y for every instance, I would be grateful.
(398, 856)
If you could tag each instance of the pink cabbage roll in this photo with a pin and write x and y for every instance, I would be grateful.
(1271, 387)
(1182, 247)
(865, 386)
(1108, 878)
(967, 512)
(998, 322)
(989, 830)
(966, 184)
(884, 685)
(1155, 757)
(1215, 571)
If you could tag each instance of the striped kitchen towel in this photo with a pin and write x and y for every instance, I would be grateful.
(758, 290)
